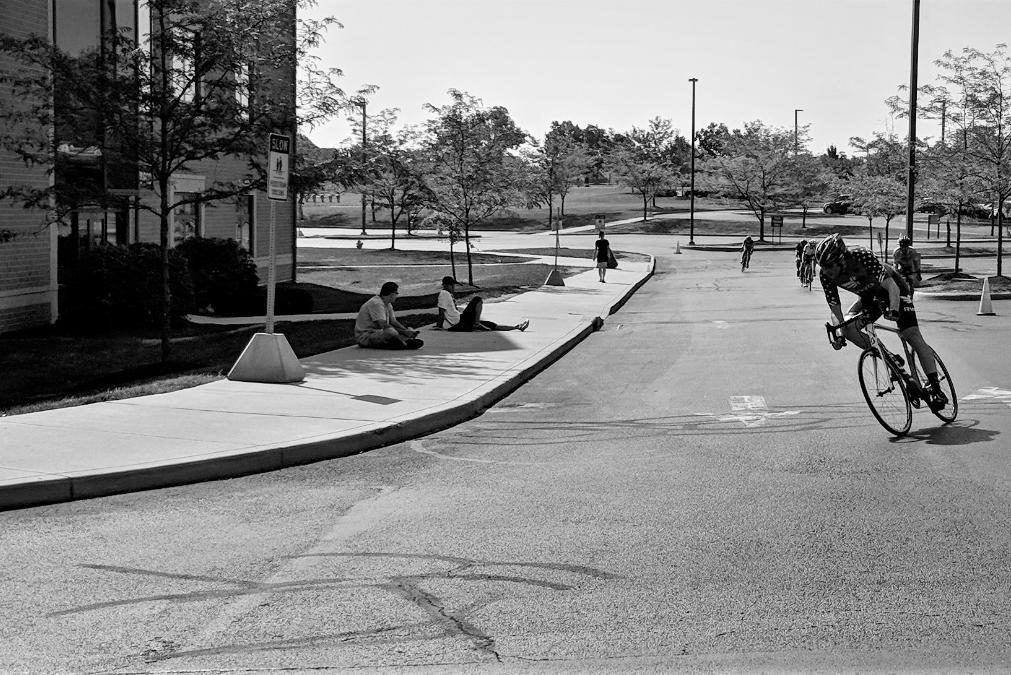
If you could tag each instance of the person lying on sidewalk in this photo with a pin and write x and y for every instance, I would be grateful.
(469, 320)
(377, 325)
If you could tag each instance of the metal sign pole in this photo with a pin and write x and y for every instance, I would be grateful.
(271, 266)
(268, 357)
(556, 248)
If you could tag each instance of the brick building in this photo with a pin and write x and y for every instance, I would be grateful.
(28, 285)
(33, 255)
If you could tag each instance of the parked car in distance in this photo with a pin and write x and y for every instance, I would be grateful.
(841, 205)
(978, 211)
(928, 205)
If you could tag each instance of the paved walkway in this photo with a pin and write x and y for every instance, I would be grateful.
(351, 400)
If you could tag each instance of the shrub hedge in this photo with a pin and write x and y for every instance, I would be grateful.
(120, 287)
(224, 274)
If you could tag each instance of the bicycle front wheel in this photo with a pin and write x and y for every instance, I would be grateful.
(885, 393)
(949, 412)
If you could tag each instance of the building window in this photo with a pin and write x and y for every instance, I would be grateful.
(187, 221)
(245, 221)
(243, 92)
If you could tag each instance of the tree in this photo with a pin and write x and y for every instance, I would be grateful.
(838, 164)
(810, 183)
(395, 178)
(470, 175)
(756, 166)
(885, 155)
(877, 196)
(556, 165)
(712, 141)
(647, 160)
(981, 111)
(208, 84)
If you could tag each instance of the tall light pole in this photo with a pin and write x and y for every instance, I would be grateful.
(691, 217)
(365, 141)
(911, 179)
(796, 137)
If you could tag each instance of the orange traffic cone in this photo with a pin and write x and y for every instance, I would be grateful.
(985, 306)
(677, 249)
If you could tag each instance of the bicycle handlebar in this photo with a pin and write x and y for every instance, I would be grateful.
(835, 337)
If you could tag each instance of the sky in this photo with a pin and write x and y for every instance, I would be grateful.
(620, 63)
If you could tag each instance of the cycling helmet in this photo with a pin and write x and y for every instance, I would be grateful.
(830, 250)
(905, 241)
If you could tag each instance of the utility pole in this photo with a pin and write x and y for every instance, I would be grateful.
(691, 217)
(911, 178)
(796, 137)
(944, 116)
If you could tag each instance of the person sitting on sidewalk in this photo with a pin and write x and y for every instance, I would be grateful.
(377, 325)
(469, 320)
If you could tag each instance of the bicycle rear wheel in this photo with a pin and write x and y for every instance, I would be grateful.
(949, 412)
(885, 393)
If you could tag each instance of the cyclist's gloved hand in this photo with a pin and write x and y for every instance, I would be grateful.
(891, 314)
(838, 343)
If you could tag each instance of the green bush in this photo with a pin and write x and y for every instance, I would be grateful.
(121, 287)
(223, 273)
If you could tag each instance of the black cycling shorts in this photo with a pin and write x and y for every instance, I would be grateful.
(907, 313)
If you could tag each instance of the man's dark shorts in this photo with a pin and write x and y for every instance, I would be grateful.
(907, 313)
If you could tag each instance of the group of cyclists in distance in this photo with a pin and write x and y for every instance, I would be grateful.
(882, 290)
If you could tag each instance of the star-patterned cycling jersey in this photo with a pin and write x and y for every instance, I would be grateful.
(863, 276)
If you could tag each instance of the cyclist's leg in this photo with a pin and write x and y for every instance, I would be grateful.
(909, 330)
(924, 353)
(852, 331)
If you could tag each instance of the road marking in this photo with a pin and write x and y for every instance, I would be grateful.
(721, 324)
(751, 411)
(747, 403)
(1001, 395)
(759, 419)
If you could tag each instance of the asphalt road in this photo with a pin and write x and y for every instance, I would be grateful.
(697, 487)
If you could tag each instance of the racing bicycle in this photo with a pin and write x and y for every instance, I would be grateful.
(892, 391)
(745, 258)
(806, 274)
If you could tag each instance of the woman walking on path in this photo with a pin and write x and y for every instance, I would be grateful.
(601, 253)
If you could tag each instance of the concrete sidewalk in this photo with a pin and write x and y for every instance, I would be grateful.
(351, 400)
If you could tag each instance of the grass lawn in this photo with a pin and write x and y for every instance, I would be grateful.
(582, 206)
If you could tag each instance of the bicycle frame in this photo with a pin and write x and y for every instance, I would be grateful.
(870, 330)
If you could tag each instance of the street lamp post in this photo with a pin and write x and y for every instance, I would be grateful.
(796, 137)
(691, 217)
(364, 143)
(911, 178)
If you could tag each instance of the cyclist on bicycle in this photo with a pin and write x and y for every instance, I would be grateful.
(907, 261)
(746, 249)
(880, 291)
(807, 256)
(799, 252)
